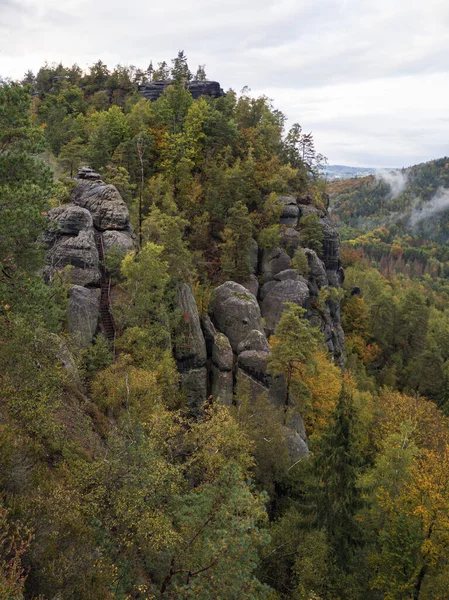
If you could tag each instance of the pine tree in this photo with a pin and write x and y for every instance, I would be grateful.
(180, 70)
(338, 466)
(312, 233)
(293, 345)
(236, 243)
(201, 73)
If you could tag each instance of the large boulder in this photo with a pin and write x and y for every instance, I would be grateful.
(122, 240)
(68, 220)
(290, 211)
(288, 274)
(273, 262)
(317, 273)
(83, 311)
(255, 340)
(190, 348)
(104, 202)
(235, 312)
(222, 355)
(254, 363)
(78, 251)
(273, 303)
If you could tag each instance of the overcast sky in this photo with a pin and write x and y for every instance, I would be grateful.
(369, 78)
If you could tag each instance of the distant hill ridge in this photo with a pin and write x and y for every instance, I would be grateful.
(347, 172)
(415, 200)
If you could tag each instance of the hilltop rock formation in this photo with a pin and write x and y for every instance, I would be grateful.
(154, 89)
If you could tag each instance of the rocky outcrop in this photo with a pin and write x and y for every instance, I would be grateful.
(77, 251)
(251, 284)
(221, 362)
(235, 312)
(290, 212)
(104, 202)
(68, 220)
(153, 89)
(278, 294)
(273, 262)
(290, 240)
(190, 349)
(83, 311)
(78, 236)
(124, 241)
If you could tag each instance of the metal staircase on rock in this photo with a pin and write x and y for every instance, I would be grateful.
(106, 318)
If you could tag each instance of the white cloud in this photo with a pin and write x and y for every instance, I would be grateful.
(368, 77)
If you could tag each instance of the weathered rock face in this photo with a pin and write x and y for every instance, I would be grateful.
(235, 312)
(273, 262)
(273, 303)
(222, 355)
(290, 211)
(222, 362)
(78, 251)
(69, 220)
(154, 89)
(83, 311)
(290, 240)
(255, 340)
(317, 272)
(123, 240)
(190, 349)
(251, 284)
(331, 245)
(222, 385)
(104, 202)
(98, 218)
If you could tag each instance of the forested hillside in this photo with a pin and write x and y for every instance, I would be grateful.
(181, 415)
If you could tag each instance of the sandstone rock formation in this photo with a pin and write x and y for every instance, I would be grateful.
(96, 221)
(153, 89)
(190, 350)
(235, 312)
(82, 314)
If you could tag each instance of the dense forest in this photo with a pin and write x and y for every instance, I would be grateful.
(116, 482)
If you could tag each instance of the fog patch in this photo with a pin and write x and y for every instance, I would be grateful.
(438, 204)
(396, 181)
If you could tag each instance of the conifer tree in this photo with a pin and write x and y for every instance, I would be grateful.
(338, 465)
(236, 243)
(312, 233)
